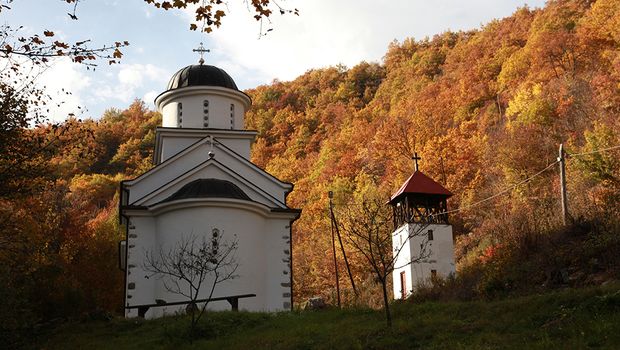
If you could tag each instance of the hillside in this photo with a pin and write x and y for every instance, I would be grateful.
(485, 109)
(571, 319)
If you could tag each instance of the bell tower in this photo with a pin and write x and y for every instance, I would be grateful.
(422, 235)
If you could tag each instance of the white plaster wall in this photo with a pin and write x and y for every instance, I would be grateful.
(141, 239)
(403, 257)
(171, 145)
(240, 146)
(262, 257)
(169, 115)
(440, 252)
(278, 258)
(193, 112)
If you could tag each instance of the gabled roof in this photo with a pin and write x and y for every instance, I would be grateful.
(418, 183)
(192, 148)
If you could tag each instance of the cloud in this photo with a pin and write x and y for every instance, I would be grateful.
(149, 98)
(64, 82)
(130, 81)
(330, 32)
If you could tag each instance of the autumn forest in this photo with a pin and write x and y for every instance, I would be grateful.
(485, 109)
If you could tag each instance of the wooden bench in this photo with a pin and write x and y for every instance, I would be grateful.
(232, 299)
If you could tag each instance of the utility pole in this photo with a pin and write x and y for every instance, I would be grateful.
(344, 253)
(331, 216)
(562, 161)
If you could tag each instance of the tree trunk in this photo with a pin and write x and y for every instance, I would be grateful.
(386, 304)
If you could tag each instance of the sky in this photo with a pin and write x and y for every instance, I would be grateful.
(326, 33)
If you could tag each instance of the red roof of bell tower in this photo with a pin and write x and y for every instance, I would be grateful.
(418, 183)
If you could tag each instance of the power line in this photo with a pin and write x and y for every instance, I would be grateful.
(498, 193)
(592, 152)
(508, 189)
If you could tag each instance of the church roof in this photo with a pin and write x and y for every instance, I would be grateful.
(208, 188)
(201, 75)
(418, 183)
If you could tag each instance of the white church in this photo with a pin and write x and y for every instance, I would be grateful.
(422, 239)
(204, 182)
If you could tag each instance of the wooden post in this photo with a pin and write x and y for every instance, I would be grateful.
(561, 159)
(331, 217)
(344, 253)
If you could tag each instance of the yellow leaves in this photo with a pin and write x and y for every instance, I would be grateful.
(603, 21)
(530, 106)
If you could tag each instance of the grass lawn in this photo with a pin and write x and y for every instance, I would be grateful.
(567, 319)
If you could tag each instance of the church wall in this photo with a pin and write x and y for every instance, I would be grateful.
(194, 114)
(254, 236)
(240, 146)
(171, 145)
(278, 286)
(139, 290)
(169, 114)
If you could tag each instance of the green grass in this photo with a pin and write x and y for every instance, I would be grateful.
(568, 319)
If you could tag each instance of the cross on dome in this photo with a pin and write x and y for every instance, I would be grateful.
(201, 50)
(415, 159)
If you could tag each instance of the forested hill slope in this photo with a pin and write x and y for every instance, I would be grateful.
(485, 109)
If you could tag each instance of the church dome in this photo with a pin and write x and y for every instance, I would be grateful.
(208, 188)
(201, 75)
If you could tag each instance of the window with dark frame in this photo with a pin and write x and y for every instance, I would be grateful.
(214, 240)
(205, 113)
(232, 116)
(430, 235)
(180, 114)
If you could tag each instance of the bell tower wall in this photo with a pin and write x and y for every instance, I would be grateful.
(203, 107)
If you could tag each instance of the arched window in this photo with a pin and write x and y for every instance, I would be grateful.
(180, 114)
(205, 113)
(232, 116)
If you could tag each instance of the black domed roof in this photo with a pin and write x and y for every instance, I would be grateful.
(208, 188)
(201, 75)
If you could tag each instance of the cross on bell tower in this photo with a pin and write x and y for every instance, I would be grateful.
(201, 50)
(415, 159)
